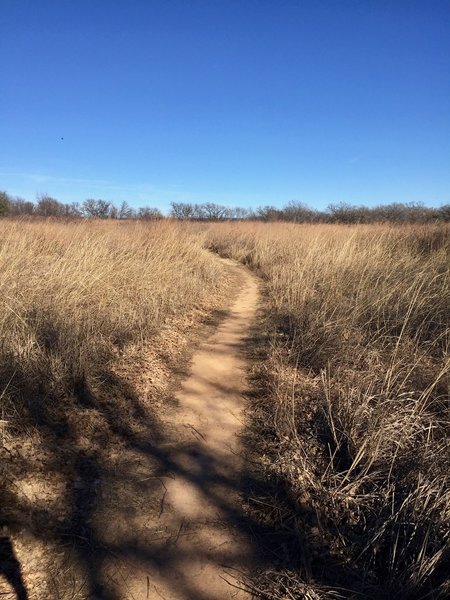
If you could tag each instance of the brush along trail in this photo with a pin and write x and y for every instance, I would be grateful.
(202, 550)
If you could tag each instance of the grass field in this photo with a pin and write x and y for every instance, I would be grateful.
(95, 319)
(74, 294)
(349, 417)
(352, 433)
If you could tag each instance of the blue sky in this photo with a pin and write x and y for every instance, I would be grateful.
(241, 102)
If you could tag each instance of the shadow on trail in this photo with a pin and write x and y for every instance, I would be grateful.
(109, 446)
(104, 529)
(116, 466)
(11, 570)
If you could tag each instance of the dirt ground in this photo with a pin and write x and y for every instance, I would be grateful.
(159, 515)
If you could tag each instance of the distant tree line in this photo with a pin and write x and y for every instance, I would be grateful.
(46, 206)
(297, 212)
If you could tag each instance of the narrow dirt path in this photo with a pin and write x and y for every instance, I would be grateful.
(203, 549)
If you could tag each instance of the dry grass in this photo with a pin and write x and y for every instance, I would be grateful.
(73, 295)
(96, 321)
(350, 424)
(353, 432)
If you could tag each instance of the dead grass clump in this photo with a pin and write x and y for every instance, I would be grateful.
(356, 419)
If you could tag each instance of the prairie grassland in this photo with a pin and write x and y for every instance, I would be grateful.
(352, 420)
(73, 295)
(95, 318)
(350, 416)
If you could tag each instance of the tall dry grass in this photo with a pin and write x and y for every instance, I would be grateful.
(73, 295)
(96, 320)
(353, 431)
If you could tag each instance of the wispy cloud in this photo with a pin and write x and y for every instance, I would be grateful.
(69, 189)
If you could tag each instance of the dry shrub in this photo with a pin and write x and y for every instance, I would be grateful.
(355, 419)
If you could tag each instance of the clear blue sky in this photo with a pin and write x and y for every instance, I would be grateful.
(241, 102)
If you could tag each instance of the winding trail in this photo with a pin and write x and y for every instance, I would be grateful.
(204, 550)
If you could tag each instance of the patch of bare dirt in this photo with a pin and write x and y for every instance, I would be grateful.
(199, 549)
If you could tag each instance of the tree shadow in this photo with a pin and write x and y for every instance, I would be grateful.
(298, 542)
(109, 446)
(11, 570)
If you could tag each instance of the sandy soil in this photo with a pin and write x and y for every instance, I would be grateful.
(202, 552)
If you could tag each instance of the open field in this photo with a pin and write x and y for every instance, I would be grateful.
(351, 433)
(97, 322)
(348, 421)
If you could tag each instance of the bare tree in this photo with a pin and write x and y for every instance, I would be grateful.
(341, 213)
(149, 214)
(98, 209)
(49, 207)
(73, 210)
(19, 206)
(181, 210)
(215, 212)
(299, 212)
(443, 213)
(238, 213)
(269, 213)
(126, 212)
(198, 212)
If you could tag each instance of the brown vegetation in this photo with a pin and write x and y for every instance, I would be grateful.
(95, 318)
(350, 420)
(74, 295)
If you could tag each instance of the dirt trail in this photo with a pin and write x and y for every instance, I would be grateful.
(202, 546)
